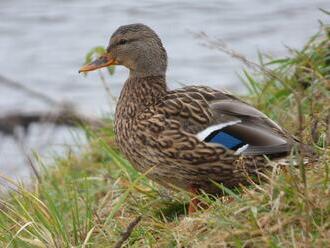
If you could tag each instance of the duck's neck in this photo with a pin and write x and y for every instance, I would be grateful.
(138, 93)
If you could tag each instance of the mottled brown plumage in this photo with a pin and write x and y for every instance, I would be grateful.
(168, 131)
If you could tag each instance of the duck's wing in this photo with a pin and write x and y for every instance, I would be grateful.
(250, 131)
(231, 123)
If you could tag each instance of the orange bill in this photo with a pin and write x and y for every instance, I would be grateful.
(103, 61)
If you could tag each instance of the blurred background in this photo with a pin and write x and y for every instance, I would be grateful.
(44, 42)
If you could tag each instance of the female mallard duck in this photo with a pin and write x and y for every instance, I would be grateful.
(187, 137)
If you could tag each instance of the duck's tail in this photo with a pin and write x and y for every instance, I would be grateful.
(300, 154)
(296, 161)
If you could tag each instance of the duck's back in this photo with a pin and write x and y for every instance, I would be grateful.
(218, 117)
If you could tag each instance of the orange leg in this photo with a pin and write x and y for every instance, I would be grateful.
(195, 204)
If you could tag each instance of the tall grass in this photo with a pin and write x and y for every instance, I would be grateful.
(97, 199)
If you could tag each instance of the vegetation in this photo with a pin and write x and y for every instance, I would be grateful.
(96, 199)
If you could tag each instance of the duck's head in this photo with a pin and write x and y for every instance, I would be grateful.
(135, 46)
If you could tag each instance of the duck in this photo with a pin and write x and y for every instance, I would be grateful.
(194, 138)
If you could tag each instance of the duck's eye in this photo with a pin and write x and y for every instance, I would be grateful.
(122, 42)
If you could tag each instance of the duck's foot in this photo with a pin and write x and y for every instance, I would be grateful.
(195, 204)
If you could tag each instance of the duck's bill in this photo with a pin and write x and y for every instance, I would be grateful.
(103, 61)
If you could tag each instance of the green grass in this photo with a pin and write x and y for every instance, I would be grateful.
(88, 200)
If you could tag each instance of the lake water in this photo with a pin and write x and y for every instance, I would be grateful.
(44, 42)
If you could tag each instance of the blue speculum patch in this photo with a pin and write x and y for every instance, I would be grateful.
(225, 139)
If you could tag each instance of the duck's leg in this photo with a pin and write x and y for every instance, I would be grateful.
(195, 204)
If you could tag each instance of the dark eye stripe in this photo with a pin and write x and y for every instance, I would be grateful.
(124, 41)
(120, 42)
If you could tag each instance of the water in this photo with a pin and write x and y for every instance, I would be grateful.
(43, 43)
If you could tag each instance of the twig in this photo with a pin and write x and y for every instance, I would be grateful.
(327, 138)
(14, 84)
(64, 114)
(125, 235)
(8, 123)
(271, 230)
(18, 137)
(220, 45)
(301, 122)
(106, 87)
